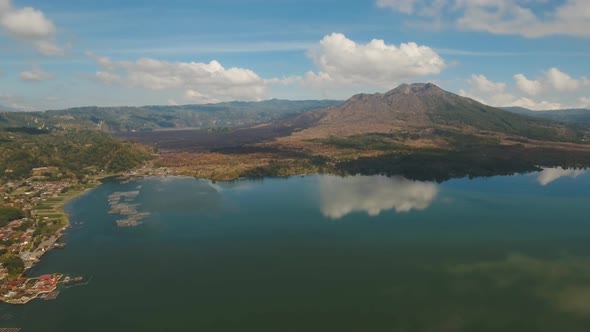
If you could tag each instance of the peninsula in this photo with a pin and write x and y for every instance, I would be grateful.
(35, 185)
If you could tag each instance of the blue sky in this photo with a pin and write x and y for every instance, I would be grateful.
(58, 54)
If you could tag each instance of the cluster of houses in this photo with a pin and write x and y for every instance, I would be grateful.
(22, 290)
(17, 237)
(15, 240)
(34, 192)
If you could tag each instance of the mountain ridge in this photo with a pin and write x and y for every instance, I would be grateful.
(146, 118)
(420, 105)
(414, 129)
(574, 116)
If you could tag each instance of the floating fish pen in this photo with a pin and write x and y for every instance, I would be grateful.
(128, 223)
(50, 296)
(121, 203)
(117, 196)
(59, 245)
(76, 281)
(133, 220)
(123, 208)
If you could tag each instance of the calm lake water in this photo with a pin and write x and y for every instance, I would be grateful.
(324, 253)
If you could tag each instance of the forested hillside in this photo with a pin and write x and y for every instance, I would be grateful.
(147, 118)
(73, 152)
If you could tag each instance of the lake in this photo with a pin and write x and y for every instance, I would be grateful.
(326, 253)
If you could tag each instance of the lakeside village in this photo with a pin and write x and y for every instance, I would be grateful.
(31, 223)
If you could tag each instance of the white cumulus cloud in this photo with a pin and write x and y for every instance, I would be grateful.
(36, 74)
(29, 25)
(516, 17)
(552, 80)
(373, 194)
(530, 87)
(200, 82)
(482, 84)
(536, 105)
(343, 62)
(564, 82)
(340, 62)
(497, 94)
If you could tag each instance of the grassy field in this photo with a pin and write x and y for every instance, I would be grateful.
(53, 208)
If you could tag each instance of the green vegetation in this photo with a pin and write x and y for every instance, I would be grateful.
(46, 229)
(13, 264)
(395, 141)
(146, 118)
(8, 214)
(71, 151)
(288, 167)
(382, 142)
(459, 114)
(24, 226)
(458, 140)
(440, 165)
(27, 130)
(465, 155)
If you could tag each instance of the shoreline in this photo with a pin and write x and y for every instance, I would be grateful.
(60, 209)
(68, 197)
(78, 190)
(57, 209)
(76, 193)
(38, 294)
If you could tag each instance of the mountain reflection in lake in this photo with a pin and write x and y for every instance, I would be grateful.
(373, 194)
(502, 253)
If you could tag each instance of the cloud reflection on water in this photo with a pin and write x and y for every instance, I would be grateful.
(373, 194)
(549, 175)
(563, 282)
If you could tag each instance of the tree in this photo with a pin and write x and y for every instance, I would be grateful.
(8, 214)
(14, 265)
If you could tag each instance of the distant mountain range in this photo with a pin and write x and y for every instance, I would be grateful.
(407, 106)
(417, 110)
(579, 116)
(147, 118)
(418, 130)
(415, 116)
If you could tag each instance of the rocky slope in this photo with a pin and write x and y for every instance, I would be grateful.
(420, 106)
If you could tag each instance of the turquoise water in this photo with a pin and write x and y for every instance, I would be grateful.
(324, 253)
